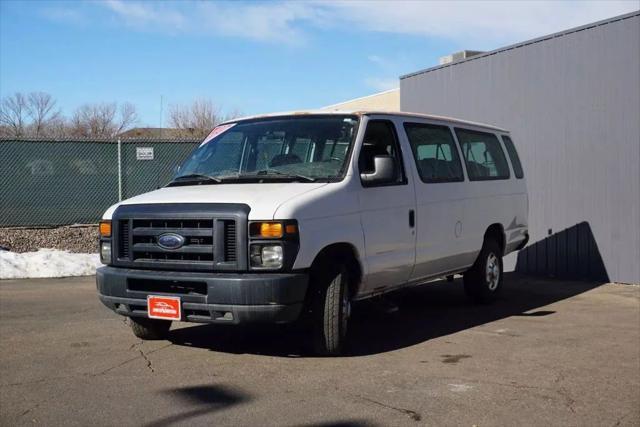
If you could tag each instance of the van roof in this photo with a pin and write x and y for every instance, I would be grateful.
(367, 113)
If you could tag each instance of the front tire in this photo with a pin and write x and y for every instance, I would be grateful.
(483, 282)
(331, 311)
(150, 329)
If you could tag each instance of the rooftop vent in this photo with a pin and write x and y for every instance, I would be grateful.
(459, 56)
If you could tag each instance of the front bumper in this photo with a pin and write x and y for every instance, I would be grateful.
(206, 297)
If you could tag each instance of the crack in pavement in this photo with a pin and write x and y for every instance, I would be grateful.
(562, 391)
(415, 416)
(39, 380)
(29, 410)
(557, 389)
(144, 355)
(619, 421)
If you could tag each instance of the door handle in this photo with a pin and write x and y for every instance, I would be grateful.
(412, 218)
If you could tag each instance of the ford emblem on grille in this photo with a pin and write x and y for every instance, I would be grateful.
(170, 241)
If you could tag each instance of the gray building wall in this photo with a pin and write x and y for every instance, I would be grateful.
(572, 103)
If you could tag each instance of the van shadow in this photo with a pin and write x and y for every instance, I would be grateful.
(571, 253)
(426, 312)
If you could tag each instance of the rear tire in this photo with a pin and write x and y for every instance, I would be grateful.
(150, 329)
(331, 310)
(483, 281)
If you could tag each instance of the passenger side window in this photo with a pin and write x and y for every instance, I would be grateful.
(513, 155)
(380, 140)
(435, 152)
(483, 155)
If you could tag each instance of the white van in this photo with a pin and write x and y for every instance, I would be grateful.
(294, 216)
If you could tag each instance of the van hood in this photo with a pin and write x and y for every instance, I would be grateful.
(263, 199)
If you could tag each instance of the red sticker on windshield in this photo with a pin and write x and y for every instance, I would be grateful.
(217, 131)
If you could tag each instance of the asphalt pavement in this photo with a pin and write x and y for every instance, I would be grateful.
(547, 353)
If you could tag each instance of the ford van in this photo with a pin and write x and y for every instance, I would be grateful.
(295, 216)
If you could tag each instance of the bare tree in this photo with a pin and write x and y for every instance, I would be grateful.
(59, 127)
(128, 116)
(41, 108)
(13, 115)
(36, 114)
(233, 114)
(198, 118)
(102, 120)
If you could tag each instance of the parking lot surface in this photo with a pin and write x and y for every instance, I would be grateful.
(548, 352)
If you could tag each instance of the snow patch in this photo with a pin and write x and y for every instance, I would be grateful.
(47, 263)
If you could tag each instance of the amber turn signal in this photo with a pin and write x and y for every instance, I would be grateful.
(271, 229)
(105, 228)
(291, 229)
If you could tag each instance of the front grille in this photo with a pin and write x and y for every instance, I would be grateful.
(197, 233)
(230, 246)
(123, 243)
(210, 237)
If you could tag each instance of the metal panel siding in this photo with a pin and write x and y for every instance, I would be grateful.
(572, 103)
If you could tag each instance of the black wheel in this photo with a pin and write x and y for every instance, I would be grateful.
(149, 329)
(483, 281)
(331, 310)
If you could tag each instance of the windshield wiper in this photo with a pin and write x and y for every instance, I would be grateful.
(196, 177)
(285, 174)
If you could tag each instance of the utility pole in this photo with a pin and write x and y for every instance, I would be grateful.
(161, 105)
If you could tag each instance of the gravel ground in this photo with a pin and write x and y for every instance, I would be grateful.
(79, 239)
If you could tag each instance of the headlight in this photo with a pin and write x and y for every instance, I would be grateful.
(105, 252)
(266, 256)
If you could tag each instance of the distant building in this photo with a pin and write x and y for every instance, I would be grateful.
(389, 100)
(161, 133)
(572, 103)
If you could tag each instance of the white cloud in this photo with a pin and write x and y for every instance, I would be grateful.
(376, 59)
(65, 15)
(276, 22)
(270, 22)
(481, 22)
(142, 15)
(472, 24)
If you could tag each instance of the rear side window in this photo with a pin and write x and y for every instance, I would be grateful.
(513, 155)
(435, 152)
(483, 155)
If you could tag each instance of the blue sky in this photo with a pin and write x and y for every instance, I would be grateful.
(253, 56)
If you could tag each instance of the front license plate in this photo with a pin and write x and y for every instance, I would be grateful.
(167, 308)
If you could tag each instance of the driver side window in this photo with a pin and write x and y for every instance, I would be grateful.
(381, 139)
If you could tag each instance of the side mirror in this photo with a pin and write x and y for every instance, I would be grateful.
(176, 170)
(384, 171)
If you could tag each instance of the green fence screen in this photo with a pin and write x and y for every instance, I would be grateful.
(45, 183)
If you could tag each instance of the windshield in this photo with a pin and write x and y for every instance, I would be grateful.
(308, 148)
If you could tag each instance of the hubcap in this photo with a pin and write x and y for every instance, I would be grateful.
(493, 272)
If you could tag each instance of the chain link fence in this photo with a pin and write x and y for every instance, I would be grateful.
(73, 181)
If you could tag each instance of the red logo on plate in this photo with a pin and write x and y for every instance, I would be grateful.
(163, 308)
